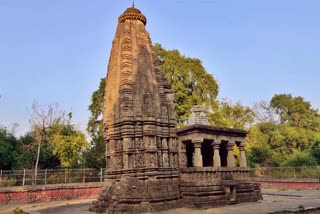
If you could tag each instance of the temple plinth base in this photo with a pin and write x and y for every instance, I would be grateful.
(131, 195)
(207, 187)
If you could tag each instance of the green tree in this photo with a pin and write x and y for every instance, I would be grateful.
(27, 151)
(259, 155)
(296, 138)
(69, 145)
(21, 153)
(95, 155)
(296, 112)
(94, 126)
(315, 150)
(299, 158)
(8, 154)
(289, 137)
(231, 115)
(190, 81)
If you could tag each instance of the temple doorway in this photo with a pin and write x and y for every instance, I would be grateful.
(223, 154)
(207, 153)
(189, 153)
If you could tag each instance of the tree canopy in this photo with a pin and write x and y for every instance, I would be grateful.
(69, 145)
(190, 81)
(295, 112)
(231, 115)
(8, 153)
(291, 138)
(53, 142)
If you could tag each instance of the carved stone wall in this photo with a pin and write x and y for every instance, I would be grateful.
(206, 187)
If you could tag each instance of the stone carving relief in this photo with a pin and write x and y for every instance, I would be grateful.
(164, 143)
(139, 143)
(151, 160)
(150, 142)
(148, 104)
(139, 160)
(127, 144)
(165, 157)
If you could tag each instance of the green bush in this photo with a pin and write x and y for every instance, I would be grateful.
(259, 155)
(315, 151)
(301, 159)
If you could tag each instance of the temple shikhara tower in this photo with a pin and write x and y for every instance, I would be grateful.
(139, 123)
(151, 165)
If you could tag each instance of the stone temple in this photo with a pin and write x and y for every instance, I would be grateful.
(150, 164)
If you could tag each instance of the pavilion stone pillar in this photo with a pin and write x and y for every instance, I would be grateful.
(216, 154)
(230, 159)
(243, 158)
(197, 153)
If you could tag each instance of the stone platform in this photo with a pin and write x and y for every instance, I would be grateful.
(207, 187)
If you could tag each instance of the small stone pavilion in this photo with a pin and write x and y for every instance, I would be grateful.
(209, 173)
(203, 145)
(150, 164)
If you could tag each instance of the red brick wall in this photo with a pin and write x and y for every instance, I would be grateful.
(49, 193)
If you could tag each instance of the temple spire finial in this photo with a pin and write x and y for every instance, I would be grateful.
(132, 3)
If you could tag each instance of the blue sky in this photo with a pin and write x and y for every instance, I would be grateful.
(57, 50)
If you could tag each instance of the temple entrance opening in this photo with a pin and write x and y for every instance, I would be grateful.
(189, 153)
(207, 153)
(223, 153)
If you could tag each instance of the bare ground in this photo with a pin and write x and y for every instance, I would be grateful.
(274, 201)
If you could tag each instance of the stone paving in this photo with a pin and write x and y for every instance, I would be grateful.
(274, 201)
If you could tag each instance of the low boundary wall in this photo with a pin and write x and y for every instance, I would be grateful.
(31, 194)
(54, 192)
(294, 184)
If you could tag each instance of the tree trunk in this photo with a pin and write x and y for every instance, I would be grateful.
(37, 162)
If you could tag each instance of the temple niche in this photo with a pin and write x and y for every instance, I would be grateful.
(150, 165)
